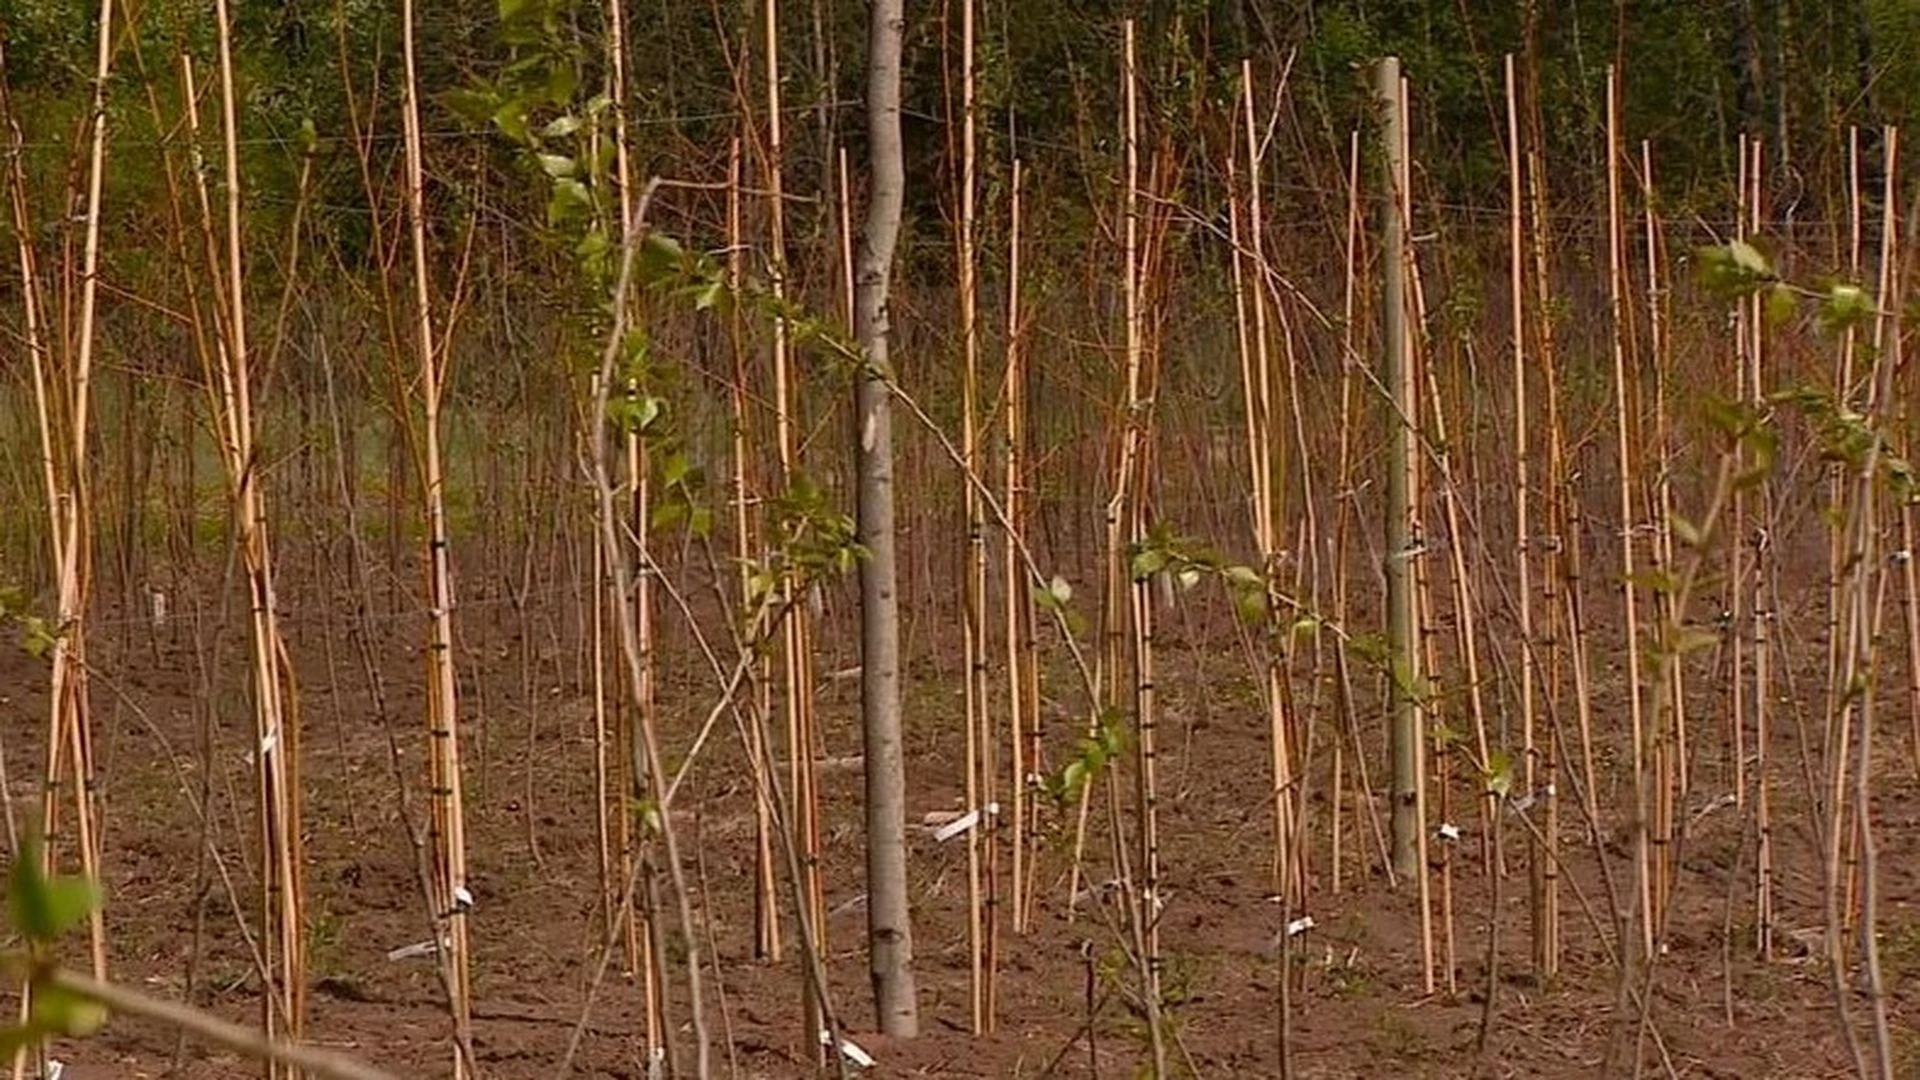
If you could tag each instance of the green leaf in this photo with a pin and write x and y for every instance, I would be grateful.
(1250, 604)
(648, 812)
(660, 258)
(1500, 773)
(70, 900)
(1148, 562)
(27, 894)
(61, 1011)
(1245, 577)
(17, 1038)
(633, 413)
(1781, 305)
(1845, 306)
(1654, 581)
(700, 521)
(561, 126)
(675, 468)
(1684, 530)
(473, 106)
(1732, 270)
(1749, 258)
(1731, 418)
(36, 638)
(1073, 778)
(570, 200)
(666, 515)
(1693, 639)
(1060, 590)
(557, 165)
(710, 295)
(593, 245)
(511, 117)
(646, 409)
(43, 908)
(562, 81)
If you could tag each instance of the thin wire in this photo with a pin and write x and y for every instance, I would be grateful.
(450, 134)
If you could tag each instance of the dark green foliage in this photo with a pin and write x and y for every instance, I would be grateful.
(42, 909)
(1791, 72)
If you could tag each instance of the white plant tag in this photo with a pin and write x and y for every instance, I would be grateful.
(849, 1050)
(408, 952)
(957, 826)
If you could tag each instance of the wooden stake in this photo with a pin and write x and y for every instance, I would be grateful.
(448, 822)
(1626, 434)
(973, 588)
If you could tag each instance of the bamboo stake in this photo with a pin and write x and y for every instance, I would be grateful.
(1560, 579)
(1467, 640)
(1625, 432)
(1760, 604)
(767, 944)
(1857, 709)
(1669, 737)
(63, 437)
(1434, 741)
(642, 953)
(1890, 361)
(1406, 386)
(278, 745)
(1023, 689)
(447, 831)
(1910, 602)
(847, 238)
(69, 744)
(1258, 409)
(1343, 523)
(973, 588)
(797, 637)
(1115, 519)
(604, 786)
(1836, 735)
(1543, 911)
(1843, 392)
(70, 648)
(1738, 597)
(1126, 519)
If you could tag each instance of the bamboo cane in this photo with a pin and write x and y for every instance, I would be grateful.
(448, 829)
(973, 588)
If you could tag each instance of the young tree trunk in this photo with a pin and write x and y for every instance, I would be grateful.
(889, 923)
(1403, 624)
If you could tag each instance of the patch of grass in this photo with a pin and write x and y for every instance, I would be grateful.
(1348, 980)
(1900, 959)
(1397, 1038)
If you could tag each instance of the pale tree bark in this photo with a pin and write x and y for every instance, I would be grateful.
(889, 922)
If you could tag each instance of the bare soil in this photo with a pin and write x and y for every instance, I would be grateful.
(1359, 1006)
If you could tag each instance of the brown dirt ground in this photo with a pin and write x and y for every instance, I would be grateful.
(1360, 1009)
